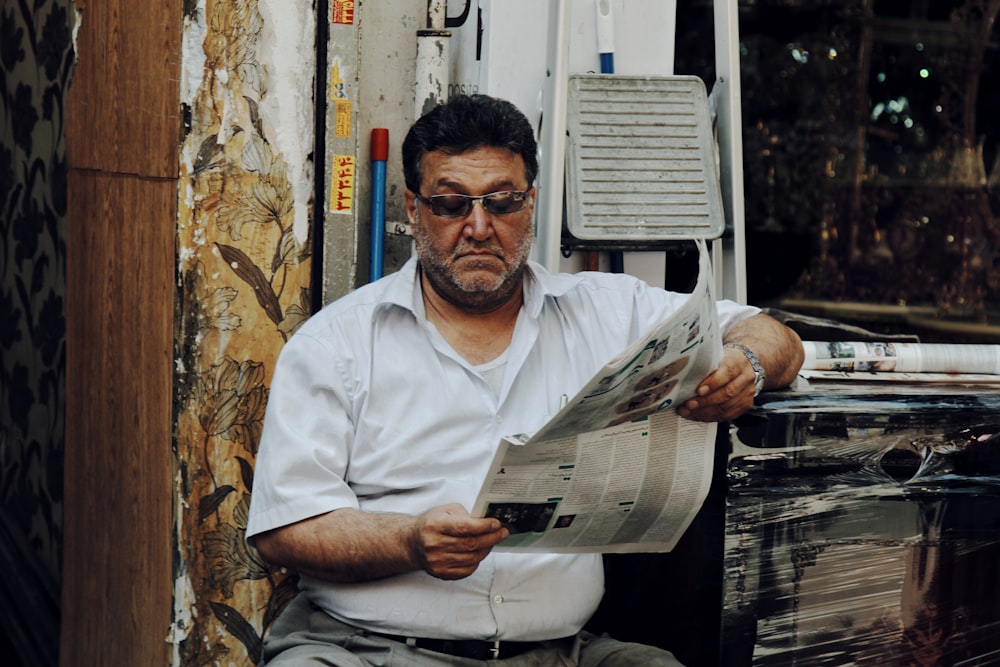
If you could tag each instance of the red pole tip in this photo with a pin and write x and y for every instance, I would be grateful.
(380, 143)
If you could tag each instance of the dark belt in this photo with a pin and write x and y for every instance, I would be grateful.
(474, 649)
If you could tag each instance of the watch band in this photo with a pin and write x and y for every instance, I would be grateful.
(758, 369)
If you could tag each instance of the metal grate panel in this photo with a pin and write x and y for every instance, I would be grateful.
(641, 159)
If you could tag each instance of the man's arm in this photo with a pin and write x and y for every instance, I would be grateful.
(349, 545)
(729, 390)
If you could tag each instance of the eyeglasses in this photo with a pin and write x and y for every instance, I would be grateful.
(459, 206)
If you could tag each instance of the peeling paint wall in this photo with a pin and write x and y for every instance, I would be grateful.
(370, 83)
(244, 246)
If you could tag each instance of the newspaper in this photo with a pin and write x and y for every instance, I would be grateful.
(616, 469)
(901, 362)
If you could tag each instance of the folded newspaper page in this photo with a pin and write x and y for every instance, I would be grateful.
(617, 469)
(901, 362)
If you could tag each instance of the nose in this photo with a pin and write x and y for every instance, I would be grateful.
(478, 224)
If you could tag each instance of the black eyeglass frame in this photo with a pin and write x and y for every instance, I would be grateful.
(520, 196)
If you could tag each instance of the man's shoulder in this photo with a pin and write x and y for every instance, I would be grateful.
(359, 306)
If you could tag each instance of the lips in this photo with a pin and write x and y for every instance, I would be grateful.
(480, 255)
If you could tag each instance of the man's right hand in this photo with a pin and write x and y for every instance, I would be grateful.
(450, 543)
(350, 545)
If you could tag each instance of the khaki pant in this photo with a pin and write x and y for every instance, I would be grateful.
(305, 636)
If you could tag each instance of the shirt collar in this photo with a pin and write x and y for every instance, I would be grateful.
(403, 289)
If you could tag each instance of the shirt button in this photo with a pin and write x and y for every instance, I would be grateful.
(499, 419)
(498, 599)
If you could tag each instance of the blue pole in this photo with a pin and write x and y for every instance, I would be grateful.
(380, 154)
(607, 63)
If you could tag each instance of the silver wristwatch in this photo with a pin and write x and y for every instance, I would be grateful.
(754, 363)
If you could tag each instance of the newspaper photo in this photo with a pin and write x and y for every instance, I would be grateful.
(617, 469)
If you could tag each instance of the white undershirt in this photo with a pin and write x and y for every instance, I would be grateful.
(492, 371)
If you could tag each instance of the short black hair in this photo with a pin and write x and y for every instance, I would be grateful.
(466, 122)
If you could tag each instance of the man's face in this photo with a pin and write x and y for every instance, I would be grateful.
(474, 261)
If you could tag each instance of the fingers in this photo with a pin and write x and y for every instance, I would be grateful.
(452, 543)
(702, 410)
(726, 393)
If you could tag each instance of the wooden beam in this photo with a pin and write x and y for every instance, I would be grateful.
(122, 136)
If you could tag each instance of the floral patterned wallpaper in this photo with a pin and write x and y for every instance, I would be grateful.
(36, 62)
(243, 279)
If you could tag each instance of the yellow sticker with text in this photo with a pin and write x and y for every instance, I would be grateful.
(342, 122)
(342, 12)
(342, 184)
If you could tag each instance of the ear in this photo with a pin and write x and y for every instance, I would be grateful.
(411, 205)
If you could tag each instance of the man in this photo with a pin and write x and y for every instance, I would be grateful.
(386, 407)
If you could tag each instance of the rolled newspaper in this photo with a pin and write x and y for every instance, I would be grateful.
(901, 357)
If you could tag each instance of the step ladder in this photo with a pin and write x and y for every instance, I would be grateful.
(648, 159)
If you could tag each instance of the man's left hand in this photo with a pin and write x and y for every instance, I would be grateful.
(726, 393)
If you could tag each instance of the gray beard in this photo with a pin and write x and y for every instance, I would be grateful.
(482, 300)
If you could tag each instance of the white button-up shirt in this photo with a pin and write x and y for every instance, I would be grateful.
(370, 408)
